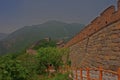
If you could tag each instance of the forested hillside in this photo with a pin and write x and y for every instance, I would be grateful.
(24, 37)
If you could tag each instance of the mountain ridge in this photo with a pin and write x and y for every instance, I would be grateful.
(24, 37)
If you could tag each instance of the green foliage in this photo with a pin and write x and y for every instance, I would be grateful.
(30, 67)
(44, 43)
(49, 55)
(58, 76)
(25, 36)
(11, 69)
(18, 67)
(30, 63)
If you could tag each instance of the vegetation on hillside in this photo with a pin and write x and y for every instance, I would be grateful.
(48, 56)
(11, 68)
(44, 43)
(33, 67)
(17, 41)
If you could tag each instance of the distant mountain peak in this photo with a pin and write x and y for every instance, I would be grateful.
(24, 37)
(54, 22)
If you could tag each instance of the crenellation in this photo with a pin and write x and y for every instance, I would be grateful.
(110, 10)
(118, 5)
(99, 42)
(95, 20)
(108, 16)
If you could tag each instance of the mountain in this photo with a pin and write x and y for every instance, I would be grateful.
(24, 37)
(2, 36)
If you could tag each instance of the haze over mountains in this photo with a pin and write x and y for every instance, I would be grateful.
(24, 37)
(3, 35)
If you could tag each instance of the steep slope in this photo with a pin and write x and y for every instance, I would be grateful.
(22, 38)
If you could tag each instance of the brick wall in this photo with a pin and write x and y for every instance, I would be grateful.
(99, 42)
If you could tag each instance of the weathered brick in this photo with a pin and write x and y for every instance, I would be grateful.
(117, 40)
(99, 42)
(114, 36)
(115, 32)
(116, 49)
(117, 27)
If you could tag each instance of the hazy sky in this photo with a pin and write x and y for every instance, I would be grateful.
(15, 14)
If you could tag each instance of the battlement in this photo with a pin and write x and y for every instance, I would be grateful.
(107, 17)
(109, 10)
(118, 4)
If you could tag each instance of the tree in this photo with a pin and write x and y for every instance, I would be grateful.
(29, 61)
(44, 43)
(49, 55)
(11, 69)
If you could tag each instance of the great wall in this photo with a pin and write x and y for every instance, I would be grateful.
(98, 44)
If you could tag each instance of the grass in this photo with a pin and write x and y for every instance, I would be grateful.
(58, 76)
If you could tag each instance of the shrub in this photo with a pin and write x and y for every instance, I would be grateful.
(49, 55)
(11, 69)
